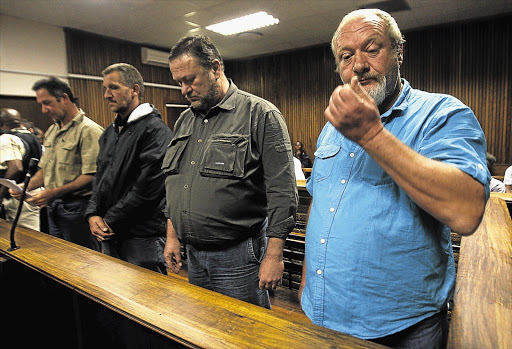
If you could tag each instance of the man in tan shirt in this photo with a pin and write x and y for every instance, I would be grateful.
(68, 164)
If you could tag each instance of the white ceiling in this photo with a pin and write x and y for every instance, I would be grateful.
(302, 23)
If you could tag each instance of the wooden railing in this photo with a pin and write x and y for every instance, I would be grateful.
(482, 312)
(182, 314)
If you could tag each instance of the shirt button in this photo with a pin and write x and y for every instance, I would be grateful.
(205, 121)
(480, 166)
(322, 241)
(352, 155)
(319, 272)
(199, 140)
(331, 209)
(343, 181)
(192, 162)
(185, 186)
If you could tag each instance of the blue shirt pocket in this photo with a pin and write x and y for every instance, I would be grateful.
(324, 161)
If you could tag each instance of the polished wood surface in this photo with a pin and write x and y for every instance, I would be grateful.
(187, 314)
(504, 196)
(482, 313)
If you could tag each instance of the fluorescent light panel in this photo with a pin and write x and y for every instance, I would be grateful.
(243, 24)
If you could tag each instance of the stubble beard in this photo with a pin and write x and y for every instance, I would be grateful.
(206, 102)
(378, 92)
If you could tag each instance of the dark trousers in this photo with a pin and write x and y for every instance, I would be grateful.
(232, 271)
(66, 220)
(431, 333)
(147, 252)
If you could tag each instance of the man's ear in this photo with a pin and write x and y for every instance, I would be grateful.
(136, 89)
(217, 68)
(65, 97)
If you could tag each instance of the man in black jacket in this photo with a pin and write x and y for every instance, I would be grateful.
(125, 210)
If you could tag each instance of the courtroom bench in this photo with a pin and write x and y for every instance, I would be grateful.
(293, 253)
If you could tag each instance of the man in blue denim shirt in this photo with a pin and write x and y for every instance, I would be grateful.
(395, 170)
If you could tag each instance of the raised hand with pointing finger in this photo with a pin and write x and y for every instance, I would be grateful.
(354, 113)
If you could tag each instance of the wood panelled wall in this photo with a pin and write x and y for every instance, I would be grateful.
(471, 61)
(89, 54)
(299, 83)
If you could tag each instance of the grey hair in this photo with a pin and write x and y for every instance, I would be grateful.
(396, 37)
(128, 73)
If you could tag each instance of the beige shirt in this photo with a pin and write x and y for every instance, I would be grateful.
(70, 151)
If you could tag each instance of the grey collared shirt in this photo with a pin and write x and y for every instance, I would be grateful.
(228, 170)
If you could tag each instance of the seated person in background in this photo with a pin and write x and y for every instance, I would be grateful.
(302, 156)
(298, 169)
(28, 125)
(507, 180)
(496, 185)
(33, 129)
(17, 147)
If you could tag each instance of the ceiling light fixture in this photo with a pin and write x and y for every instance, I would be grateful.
(243, 24)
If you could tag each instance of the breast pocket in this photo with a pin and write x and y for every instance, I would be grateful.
(224, 156)
(172, 159)
(68, 155)
(324, 160)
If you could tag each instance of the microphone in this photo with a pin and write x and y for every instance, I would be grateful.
(32, 168)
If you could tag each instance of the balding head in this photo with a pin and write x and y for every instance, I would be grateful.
(395, 36)
(9, 119)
